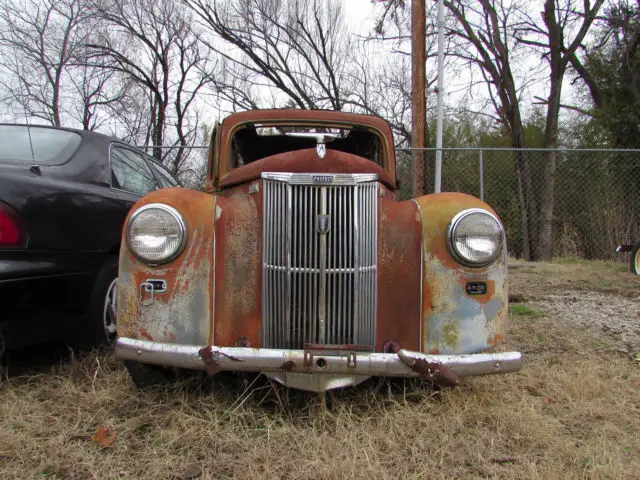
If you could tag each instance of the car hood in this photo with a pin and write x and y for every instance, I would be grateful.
(307, 161)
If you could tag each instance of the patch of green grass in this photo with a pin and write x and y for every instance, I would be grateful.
(615, 265)
(571, 260)
(524, 310)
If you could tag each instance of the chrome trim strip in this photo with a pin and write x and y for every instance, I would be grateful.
(289, 209)
(265, 222)
(420, 342)
(356, 264)
(280, 360)
(212, 336)
(322, 291)
(341, 179)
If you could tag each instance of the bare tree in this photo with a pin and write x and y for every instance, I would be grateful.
(38, 42)
(383, 89)
(153, 45)
(562, 31)
(300, 49)
(97, 94)
(484, 40)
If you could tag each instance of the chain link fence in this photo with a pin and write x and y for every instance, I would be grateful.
(591, 204)
(589, 198)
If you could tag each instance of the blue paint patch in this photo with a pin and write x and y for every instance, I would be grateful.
(469, 321)
(491, 308)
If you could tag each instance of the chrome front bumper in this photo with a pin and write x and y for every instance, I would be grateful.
(334, 364)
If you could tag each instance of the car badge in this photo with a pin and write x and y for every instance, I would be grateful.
(321, 149)
(323, 224)
(323, 179)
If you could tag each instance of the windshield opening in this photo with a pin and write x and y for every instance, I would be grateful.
(256, 141)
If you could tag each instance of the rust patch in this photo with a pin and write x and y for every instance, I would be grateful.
(435, 372)
(211, 366)
(182, 314)
(211, 359)
(243, 342)
(288, 366)
(238, 309)
(303, 161)
(452, 320)
(482, 299)
(399, 244)
(391, 347)
(144, 334)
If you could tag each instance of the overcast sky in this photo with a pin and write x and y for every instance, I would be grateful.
(359, 14)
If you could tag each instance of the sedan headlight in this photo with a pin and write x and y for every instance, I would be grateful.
(156, 233)
(475, 237)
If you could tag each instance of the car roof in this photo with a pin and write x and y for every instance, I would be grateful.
(327, 117)
(286, 114)
(89, 133)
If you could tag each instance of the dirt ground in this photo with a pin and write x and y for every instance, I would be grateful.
(572, 412)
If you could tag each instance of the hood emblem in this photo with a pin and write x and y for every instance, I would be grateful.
(323, 224)
(323, 179)
(321, 148)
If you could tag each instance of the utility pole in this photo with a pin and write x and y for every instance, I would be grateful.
(438, 180)
(418, 92)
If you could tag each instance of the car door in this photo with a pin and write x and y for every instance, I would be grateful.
(162, 174)
(130, 171)
(131, 178)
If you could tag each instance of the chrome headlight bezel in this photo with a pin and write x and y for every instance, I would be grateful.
(181, 225)
(455, 222)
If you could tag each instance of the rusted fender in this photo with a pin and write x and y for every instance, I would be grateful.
(399, 285)
(453, 321)
(238, 287)
(184, 313)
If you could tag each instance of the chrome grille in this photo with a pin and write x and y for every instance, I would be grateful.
(319, 288)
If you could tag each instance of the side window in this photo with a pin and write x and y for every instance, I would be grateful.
(130, 172)
(165, 178)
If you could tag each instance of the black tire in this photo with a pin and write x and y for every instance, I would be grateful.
(145, 375)
(634, 262)
(98, 322)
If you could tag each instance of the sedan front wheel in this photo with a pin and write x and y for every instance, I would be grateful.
(98, 324)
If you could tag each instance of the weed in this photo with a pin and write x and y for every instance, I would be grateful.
(524, 310)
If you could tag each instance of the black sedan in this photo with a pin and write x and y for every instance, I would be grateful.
(64, 196)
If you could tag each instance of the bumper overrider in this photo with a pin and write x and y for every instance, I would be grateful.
(330, 362)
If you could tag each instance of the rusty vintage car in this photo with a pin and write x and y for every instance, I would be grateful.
(299, 262)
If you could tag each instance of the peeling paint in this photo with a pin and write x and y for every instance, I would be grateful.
(239, 268)
(453, 321)
(399, 253)
(183, 313)
(422, 301)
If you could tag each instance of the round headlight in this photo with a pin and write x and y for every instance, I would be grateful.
(475, 237)
(156, 233)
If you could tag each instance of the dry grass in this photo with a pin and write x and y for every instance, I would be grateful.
(573, 412)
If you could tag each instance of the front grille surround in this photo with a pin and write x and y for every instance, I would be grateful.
(319, 288)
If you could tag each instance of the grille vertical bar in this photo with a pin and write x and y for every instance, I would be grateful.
(319, 286)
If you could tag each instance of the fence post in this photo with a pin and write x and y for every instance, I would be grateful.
(481, 168)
